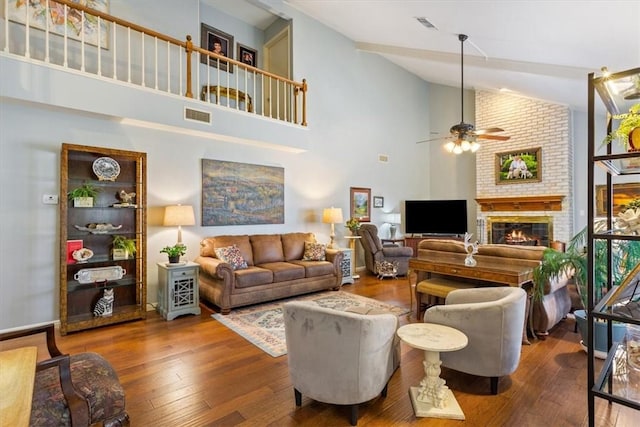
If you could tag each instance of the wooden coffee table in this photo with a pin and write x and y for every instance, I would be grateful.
(432, 398)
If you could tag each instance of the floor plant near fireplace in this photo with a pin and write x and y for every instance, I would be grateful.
(626, 255)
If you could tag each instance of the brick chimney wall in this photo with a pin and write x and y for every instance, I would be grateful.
(530, 123)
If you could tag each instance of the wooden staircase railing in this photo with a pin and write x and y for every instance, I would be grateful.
(145, 57)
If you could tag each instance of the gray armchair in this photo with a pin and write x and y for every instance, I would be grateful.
(339, 357)
(375, 251)
(492, 319)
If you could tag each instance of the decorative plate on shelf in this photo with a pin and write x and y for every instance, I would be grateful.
(106, 169)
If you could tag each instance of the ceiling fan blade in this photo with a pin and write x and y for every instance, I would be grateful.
(488, 130)
(440, 138)
(495, 137)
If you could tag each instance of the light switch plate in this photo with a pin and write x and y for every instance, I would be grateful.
(50, 199)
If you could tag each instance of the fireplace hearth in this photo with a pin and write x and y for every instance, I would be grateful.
(521, 230)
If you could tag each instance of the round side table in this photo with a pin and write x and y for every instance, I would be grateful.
(432, 398)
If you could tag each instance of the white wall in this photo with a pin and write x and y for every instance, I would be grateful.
(359, 106)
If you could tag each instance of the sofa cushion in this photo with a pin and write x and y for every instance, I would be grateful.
(283, 271)
(209, 244)
(231, 255)
(253, 276)
(512, 251)
(316, 268)
(314, 252)
(266, 248)
(442, 245)
(293, 244)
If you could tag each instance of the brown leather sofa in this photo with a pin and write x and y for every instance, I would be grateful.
(275, 269)
(545, 313)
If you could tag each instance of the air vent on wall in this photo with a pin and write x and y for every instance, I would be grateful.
(424, 21)
(197, 115)
(383, 158)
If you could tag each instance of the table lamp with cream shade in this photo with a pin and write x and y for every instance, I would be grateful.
(332, 216)
(393, 219)
(178, 215)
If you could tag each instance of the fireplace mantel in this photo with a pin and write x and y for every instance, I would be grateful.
(527, 203)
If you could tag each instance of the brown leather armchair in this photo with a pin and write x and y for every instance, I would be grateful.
(374, 251)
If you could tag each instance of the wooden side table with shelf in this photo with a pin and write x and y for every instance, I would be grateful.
(346, 266)
(354, 254)
(178, 291)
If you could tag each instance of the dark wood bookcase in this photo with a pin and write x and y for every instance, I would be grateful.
(77, 297)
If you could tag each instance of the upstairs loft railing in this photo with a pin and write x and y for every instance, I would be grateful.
(65, 34)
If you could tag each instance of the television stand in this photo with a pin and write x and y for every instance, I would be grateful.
(413, 240)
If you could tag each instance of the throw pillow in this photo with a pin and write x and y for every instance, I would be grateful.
(314, 252)
(232, 256)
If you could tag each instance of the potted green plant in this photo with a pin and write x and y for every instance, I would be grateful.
(629, 122)
(174, 252)
(353, 224)
(123, 247)
(625, 256)
(83, 196)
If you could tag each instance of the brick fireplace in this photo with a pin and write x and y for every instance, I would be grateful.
(542, 210)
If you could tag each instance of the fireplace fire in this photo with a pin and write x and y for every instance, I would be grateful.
(528, 231)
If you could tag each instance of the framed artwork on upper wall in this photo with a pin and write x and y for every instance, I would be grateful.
(53, 19)
(378, 202)
(360, 203)
(520, 166)
(247, 55)
(219, 42)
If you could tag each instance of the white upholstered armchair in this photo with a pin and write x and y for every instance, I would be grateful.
(339, 357)
(492, 318)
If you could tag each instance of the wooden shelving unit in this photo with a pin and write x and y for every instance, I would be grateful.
(77, 296)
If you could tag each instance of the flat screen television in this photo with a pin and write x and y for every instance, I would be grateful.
(444, 217)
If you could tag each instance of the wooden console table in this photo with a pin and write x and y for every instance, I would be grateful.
(17, 375)
(489, 269)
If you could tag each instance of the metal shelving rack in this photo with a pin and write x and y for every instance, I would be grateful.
(618, 92)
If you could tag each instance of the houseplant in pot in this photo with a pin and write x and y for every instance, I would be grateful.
(123, 247)
(174, 252)
(625, 256)
(83, 196)
(353, 224)
(628, 130)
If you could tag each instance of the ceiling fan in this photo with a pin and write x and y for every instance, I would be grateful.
(463, 135)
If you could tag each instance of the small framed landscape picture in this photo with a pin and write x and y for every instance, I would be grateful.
(519, 166)
(247, 55)
(361, 204)
(378, 202)
(219, 42)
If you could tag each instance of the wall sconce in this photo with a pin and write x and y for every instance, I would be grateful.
(332, 216)
(179, 215)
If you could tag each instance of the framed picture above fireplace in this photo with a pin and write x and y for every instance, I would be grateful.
(520, 166)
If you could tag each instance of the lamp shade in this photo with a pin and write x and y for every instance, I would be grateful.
(179, 215)
(332, 215)
(394, 218)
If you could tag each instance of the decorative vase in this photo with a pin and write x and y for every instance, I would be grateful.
(600, 331)
(392, 231)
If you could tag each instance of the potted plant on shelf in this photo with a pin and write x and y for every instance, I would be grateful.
(123, 247)
(625, 256)
(83, 196)
(174, 252)
(353, 224)
(628, 130)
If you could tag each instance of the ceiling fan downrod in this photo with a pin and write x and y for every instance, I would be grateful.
(462, 38)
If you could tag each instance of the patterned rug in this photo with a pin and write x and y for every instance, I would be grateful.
(263, 325)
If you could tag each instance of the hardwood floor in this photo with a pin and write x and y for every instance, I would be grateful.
(193, 371)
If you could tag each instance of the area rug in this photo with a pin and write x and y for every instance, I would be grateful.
(263, 325)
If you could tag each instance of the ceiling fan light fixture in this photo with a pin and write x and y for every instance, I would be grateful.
(474, 147)
(465, 145)
(449, 146)
(457, 149)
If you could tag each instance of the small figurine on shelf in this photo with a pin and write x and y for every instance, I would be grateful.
(104, 306)
(471, 249)
(127, 200)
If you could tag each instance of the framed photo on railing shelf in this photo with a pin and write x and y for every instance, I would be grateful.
(219, 42)
(247, 55)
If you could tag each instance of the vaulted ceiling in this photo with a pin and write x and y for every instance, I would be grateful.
(539, 49)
